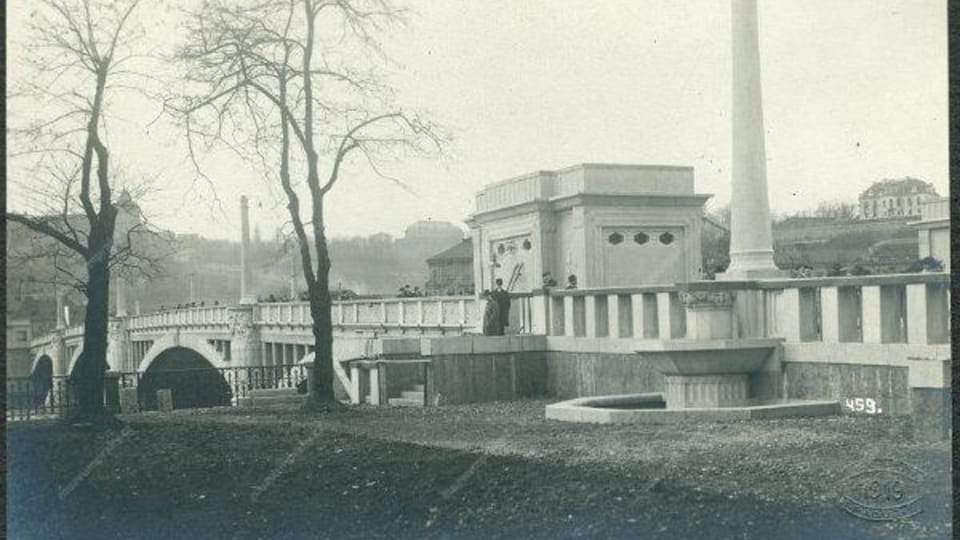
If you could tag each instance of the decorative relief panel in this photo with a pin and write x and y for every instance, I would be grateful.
(707, 299)
(241, 323)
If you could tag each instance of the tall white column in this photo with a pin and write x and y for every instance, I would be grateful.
(246, 296)
(61, 313)
(121, 296)
(293, 277)
(751, 240)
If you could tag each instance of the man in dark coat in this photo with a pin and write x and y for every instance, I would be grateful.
(491, 316)
(502, 298)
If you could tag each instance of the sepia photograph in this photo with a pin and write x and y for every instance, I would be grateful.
(515, 269)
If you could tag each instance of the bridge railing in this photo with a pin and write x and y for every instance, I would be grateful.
(211, 387)
(72, 332)
(35, 399)
(614, 312)
(895, 308)
(207, 315)
(440, 311)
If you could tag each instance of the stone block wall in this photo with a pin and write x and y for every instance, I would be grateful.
(578, 374)
(887, 386)
(485, 377)
(932, 413)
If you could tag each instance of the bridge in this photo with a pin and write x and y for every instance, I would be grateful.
(263, 341)
(879, 344)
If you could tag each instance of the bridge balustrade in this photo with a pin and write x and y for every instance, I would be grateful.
(435, 311)
(207, 315)
(882, 309)
(648, 312)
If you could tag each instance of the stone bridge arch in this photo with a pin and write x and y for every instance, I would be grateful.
(72, 363)
(188, 366)
(41, 378)
(171, 341)
(42, 354)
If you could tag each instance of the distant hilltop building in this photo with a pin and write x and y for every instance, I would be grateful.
(896, 198)
(432, 231)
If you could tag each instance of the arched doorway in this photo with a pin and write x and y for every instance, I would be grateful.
(41, 380)
(193, 380)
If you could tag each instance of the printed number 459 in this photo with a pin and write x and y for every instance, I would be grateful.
(865, 405)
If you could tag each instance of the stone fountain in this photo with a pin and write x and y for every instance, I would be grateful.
(707, 375)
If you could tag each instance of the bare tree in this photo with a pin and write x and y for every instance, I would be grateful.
(292, 80)
(77, 58)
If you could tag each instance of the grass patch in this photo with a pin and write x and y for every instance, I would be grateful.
(490, 471)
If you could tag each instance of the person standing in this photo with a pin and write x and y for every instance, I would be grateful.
(491, 316)
(502, 298)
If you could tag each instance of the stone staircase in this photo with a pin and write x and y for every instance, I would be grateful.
(273, 397)
(409, 398)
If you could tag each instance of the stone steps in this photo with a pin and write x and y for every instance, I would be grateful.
(273, 397)
(269, 392)
(409, 398)
(404, 402)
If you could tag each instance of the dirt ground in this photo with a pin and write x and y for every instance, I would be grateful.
(485, 471)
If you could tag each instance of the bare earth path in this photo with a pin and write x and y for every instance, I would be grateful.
(484, 471)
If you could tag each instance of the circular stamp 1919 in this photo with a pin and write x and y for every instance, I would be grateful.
(883, 489)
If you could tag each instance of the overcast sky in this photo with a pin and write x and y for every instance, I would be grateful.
(854, 91)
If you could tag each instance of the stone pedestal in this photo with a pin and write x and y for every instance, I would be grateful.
(244, 341)
(706, 391)
(165, 400)
(117, 345)
(709, 314)
(129, 403)
(111, 391)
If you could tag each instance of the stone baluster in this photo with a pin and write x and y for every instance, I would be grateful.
(664, 320)
(637, 302)
(927, 313)
(787, 314)
(539, 313)
(568, 316)
(590, 315)
(613, 317)
(830, 309)
(871, 315)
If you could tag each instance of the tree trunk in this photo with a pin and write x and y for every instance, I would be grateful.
(322, 330)
(87, 376)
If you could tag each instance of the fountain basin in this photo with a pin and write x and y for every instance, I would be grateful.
(707, 373)
(707, 356)
(650, 408)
